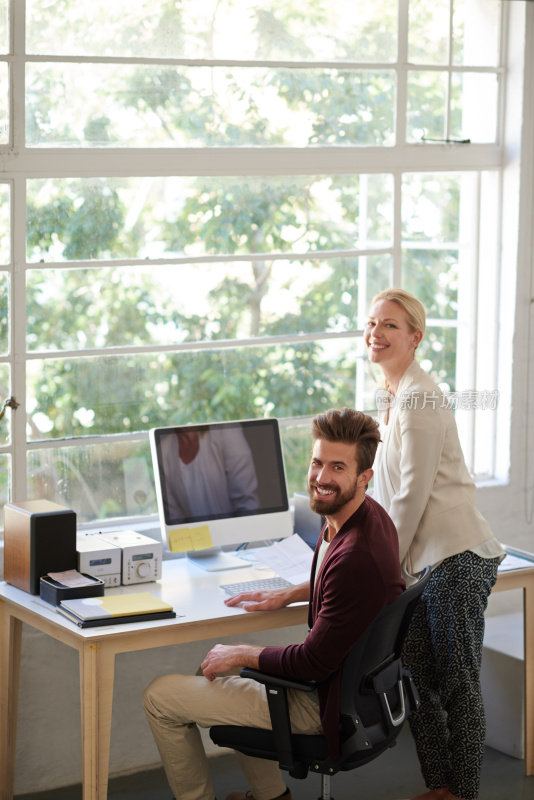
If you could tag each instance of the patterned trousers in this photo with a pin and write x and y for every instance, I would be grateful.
(443, 650)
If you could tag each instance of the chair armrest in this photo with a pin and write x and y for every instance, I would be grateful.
(276, 688)
(278, 680)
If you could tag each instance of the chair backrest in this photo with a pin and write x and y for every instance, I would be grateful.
(376, 692)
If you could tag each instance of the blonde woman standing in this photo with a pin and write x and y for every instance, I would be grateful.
(422, 481)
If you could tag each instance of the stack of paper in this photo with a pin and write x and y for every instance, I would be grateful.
(291, 558)
(139, 606)
(512, 561)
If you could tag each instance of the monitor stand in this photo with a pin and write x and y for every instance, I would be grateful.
(214, 559)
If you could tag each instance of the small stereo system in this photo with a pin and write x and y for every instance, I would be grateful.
(120, 557)
(99, 558)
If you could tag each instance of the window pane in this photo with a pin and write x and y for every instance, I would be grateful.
(91, 105)
(430, 207)
(474, 107)
(222, 29)
(369, 379)
(426, 105)
(432, 275)
(438, 252)
(5, 485)
(5, 392)
(296, 446)
(5, 224)
(428, 36)
(75, 309)
(76, 219)
(5, 283)
(437, 355)
(476, 31)
(374, 274)
(118, 394)
(4, 104)
(98, 481)
(4, 26)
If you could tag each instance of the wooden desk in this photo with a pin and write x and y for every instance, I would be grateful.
(193, 593)
(196, 595)
(523, 578)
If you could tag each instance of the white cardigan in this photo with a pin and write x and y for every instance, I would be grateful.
(422, 481)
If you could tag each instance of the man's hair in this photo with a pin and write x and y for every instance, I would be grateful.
(352, 427)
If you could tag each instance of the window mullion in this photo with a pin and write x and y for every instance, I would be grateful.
(17, 77)
(18, 336)
(49, 162)
(18, 254)
(397, 230)
(402, 73)
(447, 131)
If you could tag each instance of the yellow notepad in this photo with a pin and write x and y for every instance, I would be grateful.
(116, 607)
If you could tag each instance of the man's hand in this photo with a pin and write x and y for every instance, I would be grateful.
(223, 658)
(270, 600)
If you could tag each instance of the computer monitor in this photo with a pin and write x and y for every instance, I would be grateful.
(220, 484)
(307, 523)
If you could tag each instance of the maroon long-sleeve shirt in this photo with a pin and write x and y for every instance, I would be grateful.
(360, 574)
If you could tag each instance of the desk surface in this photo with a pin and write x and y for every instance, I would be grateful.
(194, 594)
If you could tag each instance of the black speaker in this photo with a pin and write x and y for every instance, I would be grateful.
(39, 537)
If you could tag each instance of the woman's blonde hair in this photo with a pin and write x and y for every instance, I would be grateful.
(413, 307)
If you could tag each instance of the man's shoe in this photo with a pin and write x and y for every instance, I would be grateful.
(249, 796)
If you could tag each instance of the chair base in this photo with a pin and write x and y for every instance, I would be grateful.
(325, 788)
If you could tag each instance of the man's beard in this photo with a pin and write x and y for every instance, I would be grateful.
(333, 502)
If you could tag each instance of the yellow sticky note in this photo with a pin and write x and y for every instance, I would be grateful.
(183, 539)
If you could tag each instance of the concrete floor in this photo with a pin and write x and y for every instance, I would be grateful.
(393, 776)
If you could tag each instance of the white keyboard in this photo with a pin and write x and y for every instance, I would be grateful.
(255, 586)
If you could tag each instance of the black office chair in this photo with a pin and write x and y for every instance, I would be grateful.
(377, 695)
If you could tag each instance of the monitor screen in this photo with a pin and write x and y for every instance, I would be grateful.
(220, 484)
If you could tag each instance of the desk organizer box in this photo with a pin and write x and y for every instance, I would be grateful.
(54, 592)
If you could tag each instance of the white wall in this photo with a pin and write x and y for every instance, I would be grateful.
(510, 506)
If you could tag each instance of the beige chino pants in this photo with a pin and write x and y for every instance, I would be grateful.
(176, 704)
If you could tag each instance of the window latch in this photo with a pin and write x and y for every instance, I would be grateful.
(9, 402)
(446, 141)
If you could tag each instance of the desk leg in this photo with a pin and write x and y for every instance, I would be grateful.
(528, 623)
(10, 642)
(97, 665)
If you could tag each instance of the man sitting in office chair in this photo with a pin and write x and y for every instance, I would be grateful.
(355, 572)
